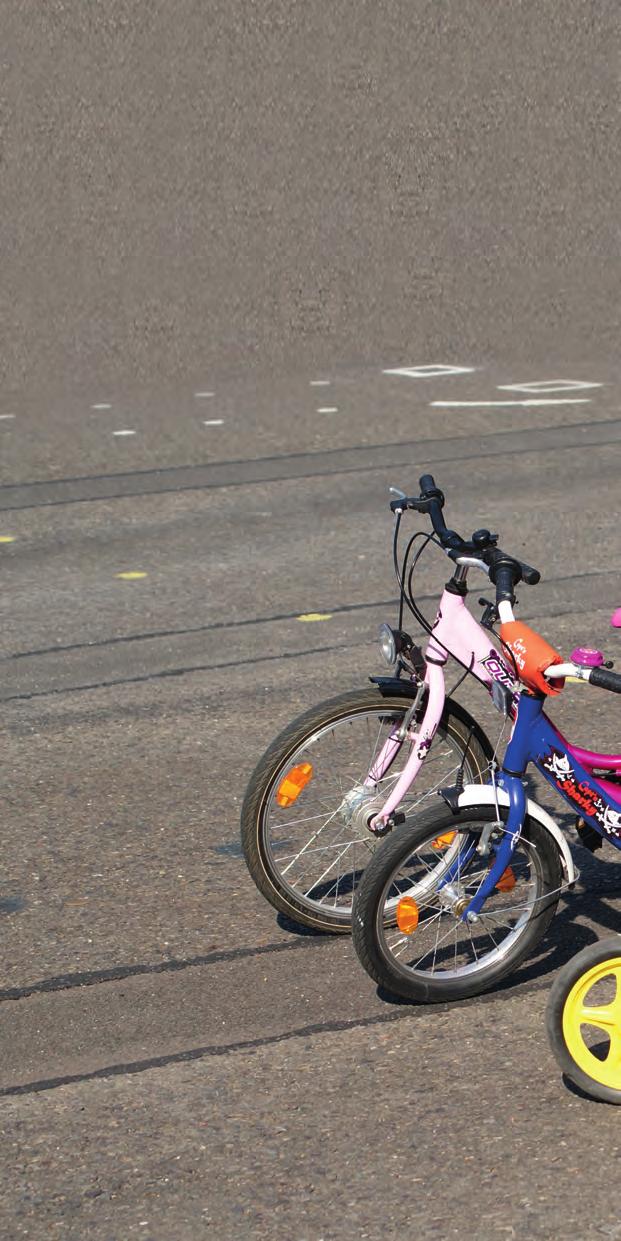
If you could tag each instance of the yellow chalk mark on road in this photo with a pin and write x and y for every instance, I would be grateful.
(132, 575)
(7, 538)
(315, 616)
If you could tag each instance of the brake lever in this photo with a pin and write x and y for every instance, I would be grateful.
(490, 614)
(400, 504)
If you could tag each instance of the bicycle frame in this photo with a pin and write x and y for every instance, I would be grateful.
(569, 769)
(455, 631)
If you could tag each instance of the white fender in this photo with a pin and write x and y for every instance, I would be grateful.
(486, 795)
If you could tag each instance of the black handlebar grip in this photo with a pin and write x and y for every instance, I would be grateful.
(505, 579)
(529, 575)
(428, 486)
(604, 679)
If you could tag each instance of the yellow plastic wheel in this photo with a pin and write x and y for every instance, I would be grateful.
(584, 1020)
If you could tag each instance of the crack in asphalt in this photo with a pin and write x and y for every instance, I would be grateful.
(535, 977)
(188, 670)
(251, 621)
(529, 440)
(133, 1067)
(181, 672)
(91, 978)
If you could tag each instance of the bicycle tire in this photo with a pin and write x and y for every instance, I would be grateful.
(579, 1061)
(369, 927)
(259, 860)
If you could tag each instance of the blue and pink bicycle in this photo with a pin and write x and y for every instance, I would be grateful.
(462, 893)
(468, 883)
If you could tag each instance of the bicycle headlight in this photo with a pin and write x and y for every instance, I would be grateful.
(388, 644)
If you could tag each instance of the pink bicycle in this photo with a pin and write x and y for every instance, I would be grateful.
(351, 768)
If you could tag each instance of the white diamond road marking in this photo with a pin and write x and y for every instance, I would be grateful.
(125, 432)
(549, 385)
(428, 372)
(570, 400)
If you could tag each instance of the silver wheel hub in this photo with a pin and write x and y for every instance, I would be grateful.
(360, 805)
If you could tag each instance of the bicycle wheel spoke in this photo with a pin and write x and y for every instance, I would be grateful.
(443, 945)
(309, 842)
(319, 853)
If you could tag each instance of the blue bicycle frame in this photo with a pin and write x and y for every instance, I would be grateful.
(536, 740)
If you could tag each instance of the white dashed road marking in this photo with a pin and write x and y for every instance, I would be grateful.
(102, 406)
(549, 385)
(124, 432)
(320, 383)
(328, 409)
(200, 395)
(576, 400)
(428, 372)
(6, 417)
(213, 422)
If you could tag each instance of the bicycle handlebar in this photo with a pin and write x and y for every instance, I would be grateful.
(505, 571)
(605, 679)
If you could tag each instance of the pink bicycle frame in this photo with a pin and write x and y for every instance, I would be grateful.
(455, 631)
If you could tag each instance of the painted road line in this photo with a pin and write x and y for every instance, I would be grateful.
(576, 400)
(124, 432)
(549, 385)
(320, 383)
(307, 617)
(428, 372)
(131, 575)
(102, 405)
(201, 395)
(213, 422)
(7, 538)
(328, 409)
(6, 417)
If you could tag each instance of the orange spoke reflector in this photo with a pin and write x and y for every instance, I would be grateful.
(407, 915)
(507, 881)
(443, 842)
(291, 786)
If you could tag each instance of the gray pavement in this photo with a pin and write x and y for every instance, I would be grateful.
(141, 967)
(222, 225)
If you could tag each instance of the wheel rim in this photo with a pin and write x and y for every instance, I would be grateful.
(592, 1031)
(319, 862)
(442, 946)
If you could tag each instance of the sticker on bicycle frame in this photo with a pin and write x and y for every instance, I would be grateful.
(425, 746)
(590, 802)
(498, 670)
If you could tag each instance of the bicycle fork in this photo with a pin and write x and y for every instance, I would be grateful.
(421, 743)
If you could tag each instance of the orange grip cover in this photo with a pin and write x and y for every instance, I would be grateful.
(532, 656)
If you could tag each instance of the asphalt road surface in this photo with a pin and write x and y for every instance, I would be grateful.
(176, 1058)
(221, 226)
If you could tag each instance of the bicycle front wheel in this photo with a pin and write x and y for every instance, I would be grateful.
(305, 816)
(408, 930)
(584, 1019)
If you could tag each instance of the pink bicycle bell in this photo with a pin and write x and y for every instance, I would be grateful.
(586, 657)
(615, 619)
